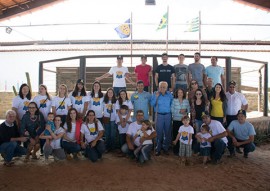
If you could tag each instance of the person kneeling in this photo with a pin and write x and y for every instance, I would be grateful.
(91, 137)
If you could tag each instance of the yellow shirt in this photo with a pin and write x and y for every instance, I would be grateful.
(216, 108)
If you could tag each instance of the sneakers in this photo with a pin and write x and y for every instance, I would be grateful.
(157, 153)
(9, 164)
(238, 150)
(166, 153)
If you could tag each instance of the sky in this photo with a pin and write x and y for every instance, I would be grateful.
(63, 20)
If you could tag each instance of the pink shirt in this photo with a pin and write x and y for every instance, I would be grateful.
(142, 73)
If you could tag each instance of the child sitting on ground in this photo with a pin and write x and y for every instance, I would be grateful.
(205, 147)
(185, 137)
(145, 147)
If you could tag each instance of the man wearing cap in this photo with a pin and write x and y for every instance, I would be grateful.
(235, 102)
(120, 73)
(181, 73)
(241, 134)
(165, 72)
(215, 72)
(143, 72)
(218, 139)
(196, 71)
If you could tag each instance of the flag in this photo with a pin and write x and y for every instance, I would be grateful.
(123, 30)
(193, 25)
(163, 22)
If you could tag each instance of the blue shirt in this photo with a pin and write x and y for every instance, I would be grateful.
(164, 102)
(242, 131)
(177, 106)
(141, 101)
(214, 72)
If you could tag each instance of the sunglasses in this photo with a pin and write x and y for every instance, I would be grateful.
(193, 83)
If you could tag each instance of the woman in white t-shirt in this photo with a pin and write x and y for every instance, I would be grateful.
(123, 100)
(79, 98)
(71, 140)
(96, 100)
(91, 137)
(43, 101)
(61, 103)
(54, 147)
(20, 102)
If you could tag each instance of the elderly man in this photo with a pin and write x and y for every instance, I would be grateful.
(241, 134)
(235, 102)
(129, 146)
(218, 139)
(9, 135)
(140, 100)
(161, 102)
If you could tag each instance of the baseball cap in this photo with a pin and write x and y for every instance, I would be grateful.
(80, 81)
(119, 57)
(241, 111)
(144, 56)
(232, 82)
(205, 114)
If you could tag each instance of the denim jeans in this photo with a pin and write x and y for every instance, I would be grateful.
(96, 152)
(249, 147)
(176, 126)
(110, 133)
(122, 139)
(218, 148)
(127, 151)
(11, 149)
(71, 147)
(195, 143)
(145, 153)
(117, 90)
(164, 131)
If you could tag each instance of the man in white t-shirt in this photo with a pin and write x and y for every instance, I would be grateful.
(129, 146)
(120, 73)
(235, 102)
(218, 140)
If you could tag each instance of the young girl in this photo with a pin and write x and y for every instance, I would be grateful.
(91, 137)
(71, 140)
(109, 119)
(143, 150)
(79, 98)
(205, 147)
(185, 137)
(96, 99)
(20, 102)
(54, 147)
(123, 100)
(61, 103)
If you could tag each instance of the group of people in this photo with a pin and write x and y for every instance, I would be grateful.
(191, 111)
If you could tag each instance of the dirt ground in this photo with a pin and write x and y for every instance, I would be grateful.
(161, 173)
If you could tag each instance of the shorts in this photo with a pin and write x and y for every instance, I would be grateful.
(205, 151)
(185, 150)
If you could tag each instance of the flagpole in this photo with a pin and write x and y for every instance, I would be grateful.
(199, 32)
(131, 38)
(167, 29)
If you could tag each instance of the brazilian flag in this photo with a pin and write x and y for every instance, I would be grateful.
(123, 30)
(163, 22)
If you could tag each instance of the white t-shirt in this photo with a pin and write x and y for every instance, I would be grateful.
(63, 109)
(127, 103)
(141, 134)
(44, 106)
(185, 131)
(96, 104)
(133, 128)
(78, 101)
(72, 134)
(217, 128)
(56, 143)
(235, 102)
(205, 143)
(106, 110)
(89, 131)
(21, 105)
(122, 130)
(119, 76)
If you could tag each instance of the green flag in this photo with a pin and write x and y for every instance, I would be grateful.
(193, 25)
(163, 22)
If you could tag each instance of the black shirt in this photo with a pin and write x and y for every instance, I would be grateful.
(6, 132)
(165, 73)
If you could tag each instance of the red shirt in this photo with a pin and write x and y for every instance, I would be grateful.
(143, 73)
